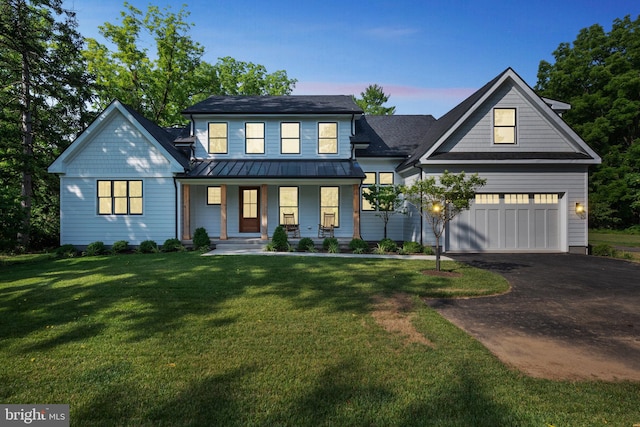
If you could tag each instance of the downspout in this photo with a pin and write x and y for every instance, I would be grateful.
(175, 188)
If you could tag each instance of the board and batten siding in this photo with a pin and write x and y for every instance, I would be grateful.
(118, 152)
(534, 133)
(236, 137)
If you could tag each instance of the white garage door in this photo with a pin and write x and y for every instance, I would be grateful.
(507, 222)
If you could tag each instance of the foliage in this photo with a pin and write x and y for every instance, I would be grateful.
(119, 246)
(44, 90)
(160, 84)
(280, 239)
(373, 100)
(599, 75)
(172, 245)
(428, 250)
(306, 244)
(95, 248)
(358, 246)
(333, 247)
(388, 245)
(329, 241)
(386, 200)
(604, 249)
(148, 247)
(411, 248)
(439, 201)
(201, 240)
(66, 251)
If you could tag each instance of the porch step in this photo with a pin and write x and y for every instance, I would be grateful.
(239, 245)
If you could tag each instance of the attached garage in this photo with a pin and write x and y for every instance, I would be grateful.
(508, 222)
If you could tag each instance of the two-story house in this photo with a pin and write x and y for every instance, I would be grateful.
(244, 161)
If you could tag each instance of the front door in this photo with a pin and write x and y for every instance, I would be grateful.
(249, 209)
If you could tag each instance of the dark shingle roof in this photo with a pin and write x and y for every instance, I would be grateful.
(286, 104)
(510, 155)
(320, 169)
(391, 135)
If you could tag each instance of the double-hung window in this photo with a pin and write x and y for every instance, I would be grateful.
(504, 125)
(214, 195)
(374, 179)
(328, 138)
(254, 138)
(330, 203)
(120, 197)
(288, 201)
(290, 138)
(218, 139)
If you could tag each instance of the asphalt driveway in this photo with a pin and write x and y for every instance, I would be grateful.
(566, 316)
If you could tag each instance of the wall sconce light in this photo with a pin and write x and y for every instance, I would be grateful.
(580, 210)
(436, 208)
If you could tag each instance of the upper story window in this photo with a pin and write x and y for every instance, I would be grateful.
(328, 138)
(218, 139)
(120, 197)
(386, 178)
(504, 126)
(290, 138)
(254, 138)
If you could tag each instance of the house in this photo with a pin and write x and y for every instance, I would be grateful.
(244, 161)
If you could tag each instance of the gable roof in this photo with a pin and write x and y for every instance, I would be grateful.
(451, 121)
(162, 139)
(285, 104)
(391, 136)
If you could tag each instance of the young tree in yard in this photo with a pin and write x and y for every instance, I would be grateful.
(386, 200)
(373, 100)
(44, 89)
(178, 77)
(441, 200)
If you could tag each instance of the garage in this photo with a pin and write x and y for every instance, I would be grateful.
(508, 222)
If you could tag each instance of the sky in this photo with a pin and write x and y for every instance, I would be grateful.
(427, 55)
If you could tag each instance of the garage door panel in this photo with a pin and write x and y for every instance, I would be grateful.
(522, 232)
(493, 228)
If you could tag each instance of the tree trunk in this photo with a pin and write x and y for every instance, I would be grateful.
(24, 235)
(437, 253)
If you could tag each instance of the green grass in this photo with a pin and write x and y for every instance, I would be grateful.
(179, 339)
(622, 242)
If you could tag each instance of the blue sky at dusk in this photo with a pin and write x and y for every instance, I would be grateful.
(428, 55)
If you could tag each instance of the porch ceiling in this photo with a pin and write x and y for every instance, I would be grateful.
(315, 169)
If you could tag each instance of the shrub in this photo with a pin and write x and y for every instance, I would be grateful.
(334, 247)
(280, 240)
(428, 250)
(634, 229)
(411, 248)
(148, 247)
(604, 249)
(201, 239)
(306, 244)
(358, 246)
(66, 251)
(119, 246)
(388, 245)
(95, 248)
(328, 242)
(172, 245)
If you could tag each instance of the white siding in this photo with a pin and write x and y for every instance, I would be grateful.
(118, 151)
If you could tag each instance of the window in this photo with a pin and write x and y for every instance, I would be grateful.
(218, 138)
(288, 200)
(254, 138)
(386, 178)
(330, 202)
(370, 178)
(516, 199)
(545, 199)
(487, 199)
(327, 138)
(290, 138)
(366, 205)
(120, 197)
(214, 196)
(504, 126)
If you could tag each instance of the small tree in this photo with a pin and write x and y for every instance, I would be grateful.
(439, 201)
(386, 200)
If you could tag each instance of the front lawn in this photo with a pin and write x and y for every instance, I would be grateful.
(179, 339)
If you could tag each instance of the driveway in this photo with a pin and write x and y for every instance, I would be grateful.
(566, 316)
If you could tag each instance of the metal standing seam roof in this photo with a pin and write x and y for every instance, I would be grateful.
(241, 168)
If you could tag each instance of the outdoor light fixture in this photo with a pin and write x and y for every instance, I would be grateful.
(436, 208)
(580, 210)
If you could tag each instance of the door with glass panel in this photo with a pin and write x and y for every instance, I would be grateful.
(249, 209)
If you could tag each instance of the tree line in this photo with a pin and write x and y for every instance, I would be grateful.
(54, 81)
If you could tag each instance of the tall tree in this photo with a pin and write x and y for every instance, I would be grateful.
(45, 87)
(373, 100)
(441, 200)
(175, 76)
(599, 75)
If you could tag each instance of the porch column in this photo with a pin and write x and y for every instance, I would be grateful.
(186, 212)
(264, 235)
(223, 212)
(356, 211)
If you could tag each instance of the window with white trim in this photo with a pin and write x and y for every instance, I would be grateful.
(504, 125)
(120, 197)
(254, 138)
(290, 138)
(330, 202)
(328, 138)
(218, 138)
(214, 196)
(288, 201)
